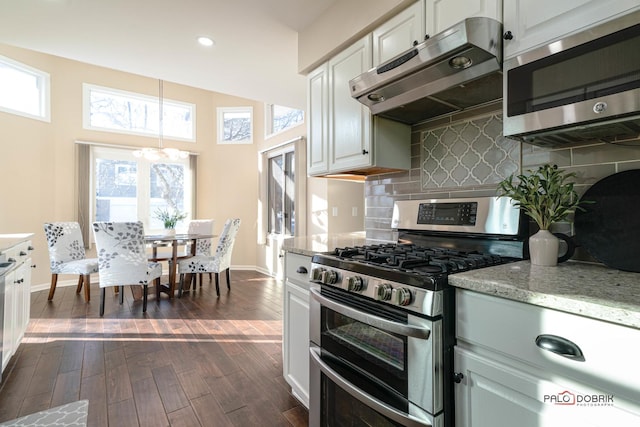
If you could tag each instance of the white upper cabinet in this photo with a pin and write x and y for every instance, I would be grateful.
(441, 14)
(398, 34)
(349, 120)
(317, 120)
(535, 23)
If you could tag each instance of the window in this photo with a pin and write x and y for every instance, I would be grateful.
(235, 125)
(281, 194)
(279, 118)
(115, 110)
(126, 188)
(24, 90)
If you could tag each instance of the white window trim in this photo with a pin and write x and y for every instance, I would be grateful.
(45, 93)
(86, 112)
(220, 120)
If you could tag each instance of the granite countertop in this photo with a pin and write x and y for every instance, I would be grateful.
(322, 243)
(9, 240)
(590, 290)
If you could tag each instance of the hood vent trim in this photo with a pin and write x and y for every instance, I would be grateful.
(457, 69)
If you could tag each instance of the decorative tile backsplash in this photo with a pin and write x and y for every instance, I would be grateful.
(467, 154)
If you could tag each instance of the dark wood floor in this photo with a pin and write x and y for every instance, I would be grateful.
(193, 361)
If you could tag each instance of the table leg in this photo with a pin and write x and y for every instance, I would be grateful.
(172, 268)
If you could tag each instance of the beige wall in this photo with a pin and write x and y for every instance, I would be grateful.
(38, 164)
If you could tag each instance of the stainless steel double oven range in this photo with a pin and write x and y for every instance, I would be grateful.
(382, 326)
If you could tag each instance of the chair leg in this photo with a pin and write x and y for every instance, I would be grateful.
(144, 298)
(87, 287)
(193, 280)
(80, 283)
(102, 294)
(200, 275)
(228, 279)
(121, 292)
(52, 289)
(217, 285)
(180, 285)
(210, 277)
(158, 290)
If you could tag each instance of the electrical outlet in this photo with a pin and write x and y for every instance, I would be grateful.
(334, 211)
(354, 211)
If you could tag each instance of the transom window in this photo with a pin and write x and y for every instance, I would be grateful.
(24, 90)
(235, 125)
(280, 118)
(114, 110)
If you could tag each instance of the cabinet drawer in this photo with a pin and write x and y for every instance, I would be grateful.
(297, 268)
(511, 328)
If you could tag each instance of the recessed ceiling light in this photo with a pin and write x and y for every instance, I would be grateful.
(205, 41)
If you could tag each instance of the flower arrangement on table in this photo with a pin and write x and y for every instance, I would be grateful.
(169, 218)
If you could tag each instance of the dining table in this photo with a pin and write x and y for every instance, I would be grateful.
(175, 241)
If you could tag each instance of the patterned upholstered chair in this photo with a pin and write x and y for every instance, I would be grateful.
(122, 259)
(67, 256)
(202, 226)
(219, 262)
(203, 246)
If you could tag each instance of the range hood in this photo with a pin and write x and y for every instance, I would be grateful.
(454, 70)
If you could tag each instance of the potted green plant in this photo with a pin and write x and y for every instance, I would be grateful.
(547, 196)
(169, 218)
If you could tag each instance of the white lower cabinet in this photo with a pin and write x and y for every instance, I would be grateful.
(17, 301)
(295, 336)
(506, 379)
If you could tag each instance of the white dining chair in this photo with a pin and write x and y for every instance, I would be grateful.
(67, 256)
(219, 262)
(122, 259)
(203, 246)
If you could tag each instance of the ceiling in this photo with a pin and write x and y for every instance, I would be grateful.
(254, 56)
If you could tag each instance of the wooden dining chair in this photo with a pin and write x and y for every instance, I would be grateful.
(67, 256)
(219, 262)
(122, 259)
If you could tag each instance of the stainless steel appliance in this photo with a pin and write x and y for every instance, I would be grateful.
(456, 69)
(581, 88)
(382, 316)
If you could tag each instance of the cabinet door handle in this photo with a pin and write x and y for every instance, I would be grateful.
(302, 270)
(560, 346)
(365, 152)
(508, 35)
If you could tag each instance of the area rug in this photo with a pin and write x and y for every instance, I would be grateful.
(72, 414)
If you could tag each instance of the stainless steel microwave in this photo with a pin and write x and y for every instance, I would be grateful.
(585, 87)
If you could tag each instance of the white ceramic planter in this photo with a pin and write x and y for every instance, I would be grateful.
(543, 248)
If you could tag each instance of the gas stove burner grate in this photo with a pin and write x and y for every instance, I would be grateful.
(409, 257)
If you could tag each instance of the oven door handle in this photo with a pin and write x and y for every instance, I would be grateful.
(371, 320)
(381, 407)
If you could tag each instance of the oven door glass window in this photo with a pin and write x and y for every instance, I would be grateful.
(341, 409)
(371, 352)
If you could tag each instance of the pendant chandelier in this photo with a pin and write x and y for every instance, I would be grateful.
(161, 153)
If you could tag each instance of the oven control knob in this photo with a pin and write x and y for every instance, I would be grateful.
(330, 277)
(401, 296)
(355, 284)
(316, 274)
(383, 292)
